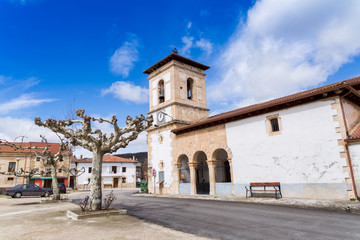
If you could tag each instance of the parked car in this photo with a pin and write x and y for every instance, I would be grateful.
(27, 190)
(62, 188)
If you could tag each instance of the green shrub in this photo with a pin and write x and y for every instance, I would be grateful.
(144, 186)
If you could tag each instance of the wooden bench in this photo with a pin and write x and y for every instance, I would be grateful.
(255, 187)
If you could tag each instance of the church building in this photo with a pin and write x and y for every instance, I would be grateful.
(307, 141)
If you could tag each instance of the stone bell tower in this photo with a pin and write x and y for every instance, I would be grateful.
(177, 98)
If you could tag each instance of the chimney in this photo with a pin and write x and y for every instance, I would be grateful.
(81, 157)
(133, 157)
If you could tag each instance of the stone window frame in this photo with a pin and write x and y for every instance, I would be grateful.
(269, 127)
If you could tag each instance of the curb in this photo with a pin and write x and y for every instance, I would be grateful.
(105, 213)
(333, 206)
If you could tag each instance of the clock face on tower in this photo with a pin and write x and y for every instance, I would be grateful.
(160, 117)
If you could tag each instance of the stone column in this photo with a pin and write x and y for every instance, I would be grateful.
(212, 178)
(192, 167)
(177, 168)
(231, 175)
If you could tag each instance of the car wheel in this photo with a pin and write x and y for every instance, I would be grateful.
(17, 195)
(47, 194)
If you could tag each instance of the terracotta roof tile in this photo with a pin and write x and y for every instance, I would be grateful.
(54, 147)
(174, 56)
(356, 133)
(227, 116)
(108, 158)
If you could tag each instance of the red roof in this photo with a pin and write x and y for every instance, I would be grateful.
(174, 56)
(54, 147)
(108, 158)
(347, 89)
(356, 133)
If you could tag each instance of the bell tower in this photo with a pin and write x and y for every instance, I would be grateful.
(177, 90)
(177, 98)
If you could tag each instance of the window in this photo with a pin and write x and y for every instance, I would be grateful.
(60, 170)
(161, 90)
(11, 167)
(123, 180)
(37, 159)
(124, 169)
(273, 125)
(114, 169)
(189, 91)
(89, 170)
(10, 179)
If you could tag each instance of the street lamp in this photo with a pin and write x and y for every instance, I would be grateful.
(17, 168)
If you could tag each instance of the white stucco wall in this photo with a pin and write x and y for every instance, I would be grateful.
(304, 158)
(107, 174)
(162, 152)
(354, 150)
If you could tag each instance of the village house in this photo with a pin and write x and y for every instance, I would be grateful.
(307, 141)
(117, 172)
(11, 160)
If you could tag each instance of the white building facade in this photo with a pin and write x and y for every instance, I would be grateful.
(307, 141)
(117, 172)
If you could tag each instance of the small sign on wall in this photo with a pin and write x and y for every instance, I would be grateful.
(182, 176)
(154, 172)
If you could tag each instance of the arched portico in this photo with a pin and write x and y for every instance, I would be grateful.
(184, 174)
(200, 176)
(223, 171)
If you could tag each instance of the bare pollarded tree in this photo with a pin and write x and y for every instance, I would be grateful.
(97, 142)
(49, 159)
(24, 174)
(75, 172)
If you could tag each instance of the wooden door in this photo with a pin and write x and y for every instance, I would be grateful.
(115, 182)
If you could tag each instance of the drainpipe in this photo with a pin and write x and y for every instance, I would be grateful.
(347, 151)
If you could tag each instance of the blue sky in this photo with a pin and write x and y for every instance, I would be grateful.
(52, 52)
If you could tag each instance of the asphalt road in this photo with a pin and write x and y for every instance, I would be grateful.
(233, 220)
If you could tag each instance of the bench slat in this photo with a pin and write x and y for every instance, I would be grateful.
(265, 184)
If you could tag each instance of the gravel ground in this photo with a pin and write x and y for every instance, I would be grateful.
(26, 218)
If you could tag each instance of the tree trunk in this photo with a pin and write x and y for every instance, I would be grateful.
(27, 179)
(95, 181)
(55, 185)
(75, 181)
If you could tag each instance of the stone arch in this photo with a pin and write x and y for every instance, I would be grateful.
(183, 168)
(202, 172)
(222, 169)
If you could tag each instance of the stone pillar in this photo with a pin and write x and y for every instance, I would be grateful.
(177, 168)
(192, 167)
(231, 175)
(212, 178)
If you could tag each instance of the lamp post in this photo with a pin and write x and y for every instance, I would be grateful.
(17, 168)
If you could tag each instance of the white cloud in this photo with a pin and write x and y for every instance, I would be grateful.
(285, 47)
(204, 45)
(122, 61)
(11, 128)
(128, 91)
(24, 101)
(188, 43)
(189, 24)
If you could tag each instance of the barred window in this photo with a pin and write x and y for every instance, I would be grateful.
(274, 125)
